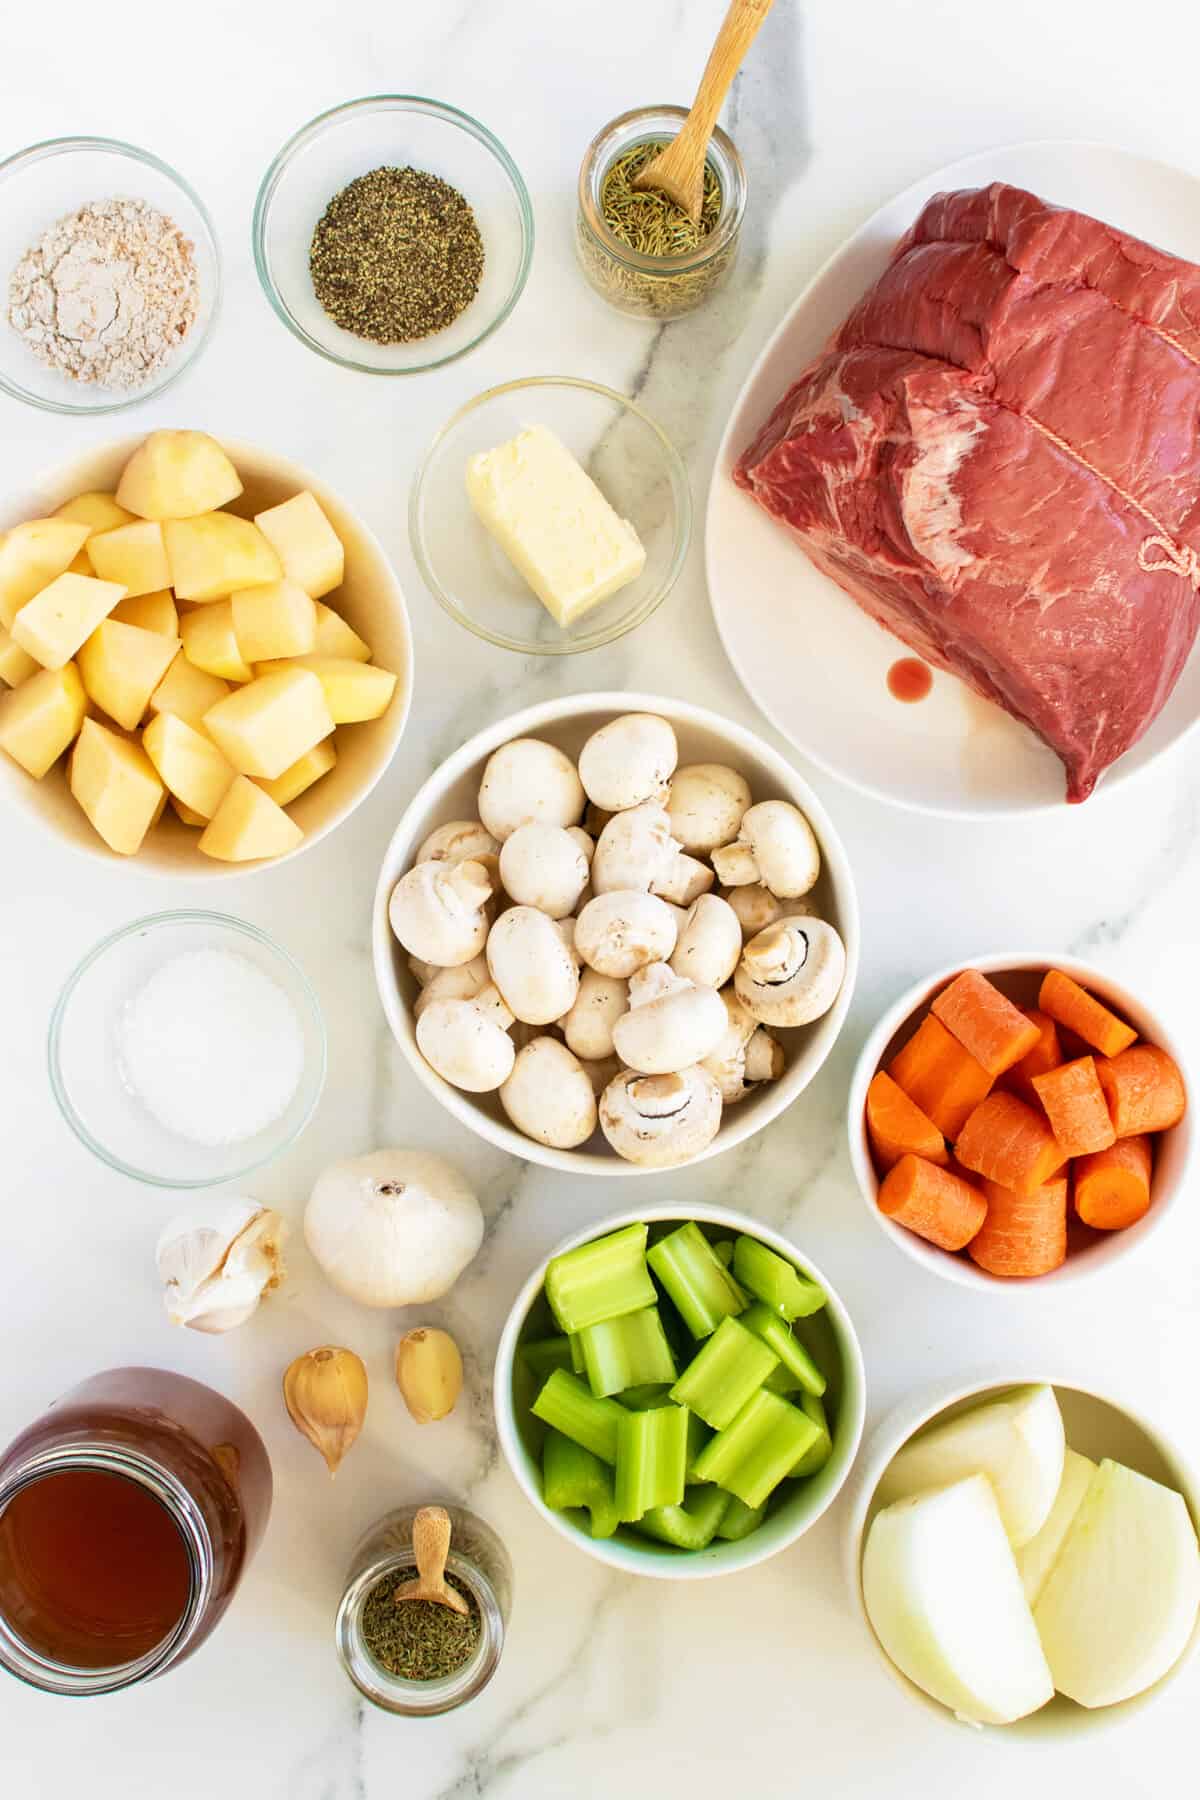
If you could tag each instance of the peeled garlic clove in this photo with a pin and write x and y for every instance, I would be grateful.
(429, 1373)
(325, 1392)
(216, 1269)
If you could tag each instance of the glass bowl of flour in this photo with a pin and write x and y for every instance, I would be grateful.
(109, 275)
(187, 1049)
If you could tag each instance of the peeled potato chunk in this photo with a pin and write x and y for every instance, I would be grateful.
(275, 620)
(31, 555)
(16, 665)
(177, 475)
(121, 666)
(187, 691)
(115, 783)
(216, 553)
(210, 642)
(304, 771)
(41, 717)
(153, 612)
(264, 727)
(306, 543)
(188, 763)
(133, 554)
(248, 825)
(354, 691)
(99, 512)
(336, 638)
(186, 816)
(57, 621)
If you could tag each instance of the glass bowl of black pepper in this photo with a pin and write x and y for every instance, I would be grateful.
(393, 234)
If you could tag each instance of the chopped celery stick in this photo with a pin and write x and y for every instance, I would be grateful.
(544, 1354)
(696, 1279)
(698, 1435)
(754, 1454)
(576, 1349)
(572, 1476)
(567, 1405)
(782, 1380)
(774, 1281)
(648, 1394)
(778, 1336)
(651, 1460)
(626, 1352)
(723, 1374)
(739, 1520)
(693, 1525)
(600, 1280)
(723, 1251)
(820, 1451)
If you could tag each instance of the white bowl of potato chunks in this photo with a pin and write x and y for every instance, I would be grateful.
(205, 657)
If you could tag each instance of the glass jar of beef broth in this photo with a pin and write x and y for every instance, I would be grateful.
(128, 1513)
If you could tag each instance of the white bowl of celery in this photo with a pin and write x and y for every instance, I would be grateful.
(680, 1394)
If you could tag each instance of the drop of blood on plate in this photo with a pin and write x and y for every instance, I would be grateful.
(909, 679)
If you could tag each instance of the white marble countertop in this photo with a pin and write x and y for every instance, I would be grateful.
(610, 1686)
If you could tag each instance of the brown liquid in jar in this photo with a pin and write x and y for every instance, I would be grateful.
(909, 679)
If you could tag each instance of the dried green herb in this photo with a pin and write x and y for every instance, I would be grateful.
(649, 224)
(419, 1640)
(396, 255)
(647, 220)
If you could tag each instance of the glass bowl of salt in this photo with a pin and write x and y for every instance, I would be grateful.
(187, 1049)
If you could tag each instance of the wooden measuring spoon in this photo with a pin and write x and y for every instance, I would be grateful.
(431, 1542)
(678, 170)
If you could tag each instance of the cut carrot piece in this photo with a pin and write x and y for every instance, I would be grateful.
(936, 1205)
(1006, 1141)
(1080, 1011)
(940, 1077)
(1076, 1107)
(1045, 1055)
(897, 1126)
(1144, 1090)
(1023, 1234)
(1112, 1188)
(985, 1022)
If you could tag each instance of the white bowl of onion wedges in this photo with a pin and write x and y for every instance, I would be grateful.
(708, 1325)
(558, 1007)
(221, 668)
(1022, 1551)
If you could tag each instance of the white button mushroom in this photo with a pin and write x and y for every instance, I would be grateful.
(745, 1055)
(756, 907)
(529, 780)
(467, 1041)
(671, 1023)
(659, 1121)
(532, 965)
(706, 804)
(791, 973)
(543, 866)
(462, 983)
(456, 841)
(629, 760)
(437, 911)
(776, 846)
(549, 1095)
(709, 943)
(619, 933)
(598, 1005)
(600, 1071)
(636, 850)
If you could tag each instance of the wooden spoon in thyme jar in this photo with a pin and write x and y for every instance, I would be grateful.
(431, 1545)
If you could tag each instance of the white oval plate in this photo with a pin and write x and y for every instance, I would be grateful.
(816, 664)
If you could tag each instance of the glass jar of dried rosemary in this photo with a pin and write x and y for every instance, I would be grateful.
(418, 1666)
(641, 254)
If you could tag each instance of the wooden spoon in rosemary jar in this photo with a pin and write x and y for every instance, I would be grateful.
(431, 1545)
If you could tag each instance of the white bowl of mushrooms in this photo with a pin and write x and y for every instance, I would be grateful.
(615, 933)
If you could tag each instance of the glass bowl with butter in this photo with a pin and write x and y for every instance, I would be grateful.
(550, 516)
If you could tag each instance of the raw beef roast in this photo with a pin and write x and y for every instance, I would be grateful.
(998, 457)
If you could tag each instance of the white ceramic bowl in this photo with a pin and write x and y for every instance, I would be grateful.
(1098, 1425)
(372, 602)
(1089, 1252)
(703, 737)
(781, 1527)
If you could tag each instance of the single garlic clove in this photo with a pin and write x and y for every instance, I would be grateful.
(215, 1270)
(325, 1392)
(429, 1373)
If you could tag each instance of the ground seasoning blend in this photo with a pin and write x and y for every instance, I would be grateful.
(396, 256)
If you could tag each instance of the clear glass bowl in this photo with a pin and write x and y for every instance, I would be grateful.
(105, 1113)
(630, 458)
(46, 182)
(351, 140)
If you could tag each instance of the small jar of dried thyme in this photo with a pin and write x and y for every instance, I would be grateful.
(638, 251)
(419, 1658)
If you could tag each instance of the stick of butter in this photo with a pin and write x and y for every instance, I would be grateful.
(553, 523)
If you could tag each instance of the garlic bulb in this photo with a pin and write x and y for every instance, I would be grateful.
(216, 1268)
(395, 1228)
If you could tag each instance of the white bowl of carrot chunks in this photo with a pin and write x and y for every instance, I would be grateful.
(1019, 1119)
